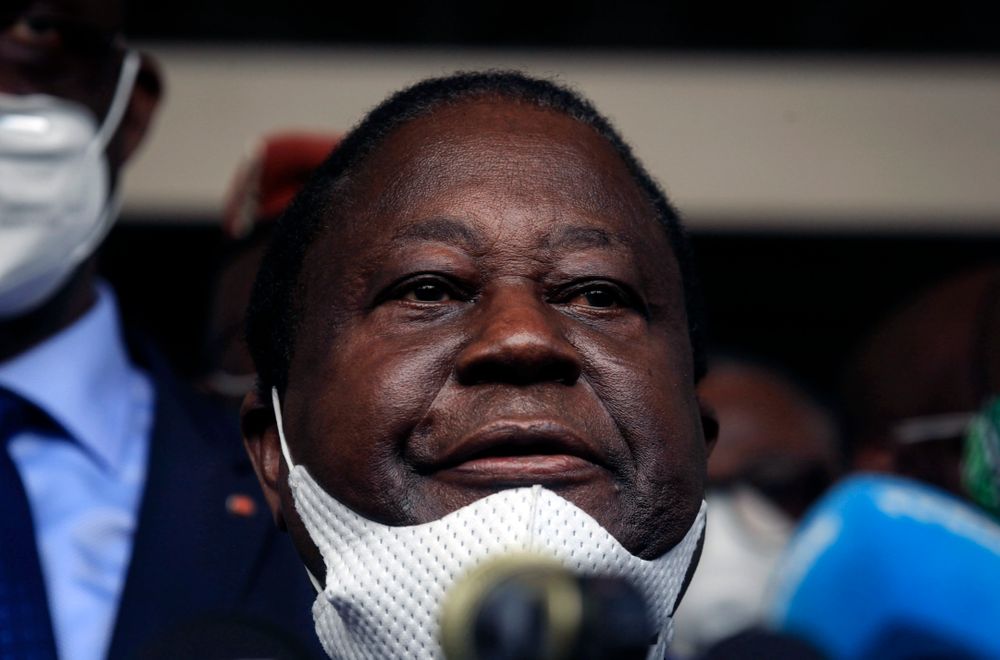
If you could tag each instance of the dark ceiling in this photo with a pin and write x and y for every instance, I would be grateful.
(850, 26)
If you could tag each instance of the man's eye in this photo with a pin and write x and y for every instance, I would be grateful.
(599, 297)
(427, 292)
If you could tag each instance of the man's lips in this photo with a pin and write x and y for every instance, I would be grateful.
(519, 453)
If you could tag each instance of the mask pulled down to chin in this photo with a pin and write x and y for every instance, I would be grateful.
(385, 585)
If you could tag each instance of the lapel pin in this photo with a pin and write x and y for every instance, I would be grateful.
(241, 505)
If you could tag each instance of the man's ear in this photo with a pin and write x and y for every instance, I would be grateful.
(146, 95)
(260, 437)
(709, 425)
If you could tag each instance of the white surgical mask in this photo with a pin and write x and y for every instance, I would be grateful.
(385, 585)
(55, 206)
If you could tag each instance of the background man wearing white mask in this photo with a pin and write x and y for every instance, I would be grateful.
(476, 331)
(777, 453)
(128, 515)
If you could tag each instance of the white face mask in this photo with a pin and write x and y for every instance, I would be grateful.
(385, 585)
(55, 206)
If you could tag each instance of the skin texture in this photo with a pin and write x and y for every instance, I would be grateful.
(494, 307)
(40, 53)
(771, 430)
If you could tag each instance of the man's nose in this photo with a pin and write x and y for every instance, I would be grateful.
(517, 338)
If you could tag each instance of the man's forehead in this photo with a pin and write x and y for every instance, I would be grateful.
(495, 124)
(566, 236)
(504, 150)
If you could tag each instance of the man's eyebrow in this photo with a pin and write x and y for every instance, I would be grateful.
(443, 230)
(581, 238)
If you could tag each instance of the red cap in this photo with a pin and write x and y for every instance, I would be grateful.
(266, 182)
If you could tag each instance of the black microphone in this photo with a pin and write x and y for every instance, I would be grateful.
(224, 636)
(528, 607)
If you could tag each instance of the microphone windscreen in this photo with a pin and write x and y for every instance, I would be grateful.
(885, 567)
(527, 607)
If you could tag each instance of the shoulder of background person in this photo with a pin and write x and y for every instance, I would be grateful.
(205, 545)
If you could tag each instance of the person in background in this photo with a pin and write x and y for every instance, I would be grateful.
(129, 512)
(276, 169)
(778, 450)
(921, 378)
(903, 561)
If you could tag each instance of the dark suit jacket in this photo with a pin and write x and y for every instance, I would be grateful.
(197, 567)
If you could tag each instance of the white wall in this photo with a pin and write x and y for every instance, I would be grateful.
(806, 144)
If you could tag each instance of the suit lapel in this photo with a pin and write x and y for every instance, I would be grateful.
(203, 524)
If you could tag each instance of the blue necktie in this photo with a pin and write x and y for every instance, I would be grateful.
(25, 628)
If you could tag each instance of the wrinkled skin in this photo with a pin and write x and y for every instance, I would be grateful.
(497, 278)
(53, 47)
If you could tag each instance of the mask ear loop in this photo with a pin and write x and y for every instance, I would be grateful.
(116, 112)
(276, 404)
(287, 455)
(119, 102)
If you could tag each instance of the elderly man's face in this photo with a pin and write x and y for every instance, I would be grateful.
(498, 309)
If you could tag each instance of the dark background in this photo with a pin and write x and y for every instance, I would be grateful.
(957, 26)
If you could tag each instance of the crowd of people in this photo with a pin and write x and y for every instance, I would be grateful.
(469, 328)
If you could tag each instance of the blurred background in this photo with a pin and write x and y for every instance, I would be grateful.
(836, 163)
(830, 157)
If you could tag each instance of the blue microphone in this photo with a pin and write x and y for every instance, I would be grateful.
(884, 567)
